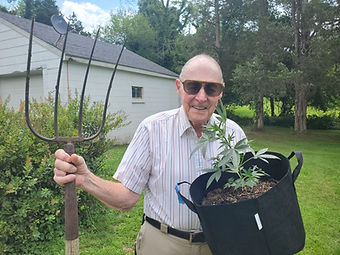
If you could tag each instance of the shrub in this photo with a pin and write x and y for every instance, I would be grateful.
(322, 122)
(281, 121)
(31, 203)
(241, 120)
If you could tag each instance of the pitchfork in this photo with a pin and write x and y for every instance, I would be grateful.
(71, 207)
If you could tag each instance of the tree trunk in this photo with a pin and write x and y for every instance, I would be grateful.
(217, 24)
(259, 113)
(300, 51)
(300, 125)
(272, 107)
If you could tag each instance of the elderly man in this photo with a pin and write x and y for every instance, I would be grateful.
(158, 157)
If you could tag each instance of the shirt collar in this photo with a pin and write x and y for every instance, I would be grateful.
(185, 124)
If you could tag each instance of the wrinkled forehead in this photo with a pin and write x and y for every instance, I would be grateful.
(202, 69)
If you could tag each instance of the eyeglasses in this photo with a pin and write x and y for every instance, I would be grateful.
(212, 89)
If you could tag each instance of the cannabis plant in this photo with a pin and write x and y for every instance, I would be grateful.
(231, 158)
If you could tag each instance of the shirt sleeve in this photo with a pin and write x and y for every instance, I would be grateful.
(134, 169)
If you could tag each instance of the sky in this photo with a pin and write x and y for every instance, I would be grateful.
(90, 12)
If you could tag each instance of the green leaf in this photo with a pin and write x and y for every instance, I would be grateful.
(260, 152)
(235, 159)
(241, 142)
(226, 158)
(211, 179)
(269, 156)
(264, 160)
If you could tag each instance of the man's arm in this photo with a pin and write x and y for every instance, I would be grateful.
(112, 194)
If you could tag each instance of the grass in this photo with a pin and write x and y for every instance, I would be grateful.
(318, 189)
(318, 186)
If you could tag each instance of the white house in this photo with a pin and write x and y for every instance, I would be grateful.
(140, 88)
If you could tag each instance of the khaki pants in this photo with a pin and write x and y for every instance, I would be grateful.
(151, 241)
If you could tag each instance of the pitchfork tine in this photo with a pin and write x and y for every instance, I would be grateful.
(56, 132)
(28, 72)
(106, 99)
(80, 118)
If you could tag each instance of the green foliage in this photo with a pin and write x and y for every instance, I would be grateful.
(3, 8)
(133, 30)
(231, 157)
(153, 32)
(281, 121)
(76, 25)
(31, 203)
(323, 122)
(41, 10)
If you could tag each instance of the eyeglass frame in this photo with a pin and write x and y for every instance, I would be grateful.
(222, 84)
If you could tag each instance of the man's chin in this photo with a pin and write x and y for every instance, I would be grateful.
(199, 120)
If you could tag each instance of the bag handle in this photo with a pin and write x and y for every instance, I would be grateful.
(297, 169)
(182, 199)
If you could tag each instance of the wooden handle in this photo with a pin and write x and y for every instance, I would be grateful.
(71, 213)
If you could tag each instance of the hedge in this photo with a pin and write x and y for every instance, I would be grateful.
(31, 203)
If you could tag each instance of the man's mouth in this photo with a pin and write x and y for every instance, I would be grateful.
(200, 108)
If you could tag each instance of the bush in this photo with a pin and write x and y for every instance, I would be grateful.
(313, 121)
(31, 203)
(240, 120)
(281, 121)
(323, 122)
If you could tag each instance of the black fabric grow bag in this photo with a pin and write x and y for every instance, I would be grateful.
(268, 225)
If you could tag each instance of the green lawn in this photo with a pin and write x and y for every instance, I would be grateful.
(318, 188)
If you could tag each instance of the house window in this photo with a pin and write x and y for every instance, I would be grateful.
(137, 92)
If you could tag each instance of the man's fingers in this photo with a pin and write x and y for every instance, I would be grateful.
(65, 166)
(77, 160)
(74, 158)
(59, 173)
(62, 155)
(61, 178)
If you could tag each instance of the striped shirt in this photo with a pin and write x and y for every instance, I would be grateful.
(158, 157)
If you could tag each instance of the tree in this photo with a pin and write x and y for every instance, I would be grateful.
(250, 56)
(133, 30)
(154, 32)
(168, 19)
(41, 10)
(3, 8)
(75, 25)
(254, 81)
(316, 25)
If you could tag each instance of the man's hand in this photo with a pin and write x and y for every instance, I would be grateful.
(68, 168)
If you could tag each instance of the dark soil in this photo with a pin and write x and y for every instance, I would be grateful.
(230, 195)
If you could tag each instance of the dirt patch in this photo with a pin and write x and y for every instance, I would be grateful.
(230, 195)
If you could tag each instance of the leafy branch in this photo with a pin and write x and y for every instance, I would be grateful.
(231, 157)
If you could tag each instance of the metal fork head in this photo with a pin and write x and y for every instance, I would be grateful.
(56, 137)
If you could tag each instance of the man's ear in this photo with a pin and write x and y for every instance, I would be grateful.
(178, 86)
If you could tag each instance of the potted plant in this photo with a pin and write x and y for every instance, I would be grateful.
(246, 202)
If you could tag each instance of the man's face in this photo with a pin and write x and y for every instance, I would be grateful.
(199, 107)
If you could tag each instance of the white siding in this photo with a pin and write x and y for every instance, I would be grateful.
(159, 94)
(13, 52)
(13, 88)
(13, 61)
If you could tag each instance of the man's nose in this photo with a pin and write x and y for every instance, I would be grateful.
(201, 95)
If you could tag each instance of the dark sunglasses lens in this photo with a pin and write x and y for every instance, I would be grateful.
(213, 89)
(192, 87)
